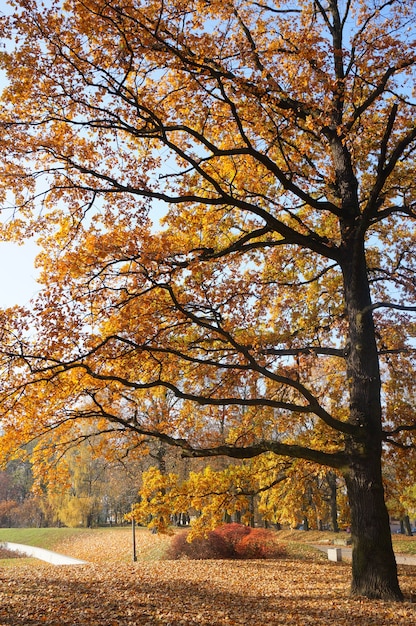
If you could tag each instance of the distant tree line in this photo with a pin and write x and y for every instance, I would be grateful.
(158, 486)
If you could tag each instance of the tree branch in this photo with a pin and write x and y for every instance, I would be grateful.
(387, 305)
(337, 460)
(339, 352)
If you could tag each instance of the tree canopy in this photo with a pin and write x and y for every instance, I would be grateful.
(272, 310)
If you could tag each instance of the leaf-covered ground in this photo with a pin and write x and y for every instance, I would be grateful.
(113, 546)
(112, 591)
(192, 593)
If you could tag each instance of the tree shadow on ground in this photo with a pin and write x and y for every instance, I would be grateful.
(220, 594)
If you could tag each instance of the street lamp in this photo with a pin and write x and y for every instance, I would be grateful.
(133, 533)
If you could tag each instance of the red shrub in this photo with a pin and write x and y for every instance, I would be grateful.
(231, 535)
(259, 544)
(202, 548)
(229, 541)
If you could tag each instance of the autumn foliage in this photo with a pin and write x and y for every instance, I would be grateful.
(224, 198)
(229, 541)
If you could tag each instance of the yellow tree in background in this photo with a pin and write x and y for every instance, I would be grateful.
(278, 141)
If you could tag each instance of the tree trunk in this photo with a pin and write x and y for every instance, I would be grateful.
(331, 479)
(252, 512)
(374, 569)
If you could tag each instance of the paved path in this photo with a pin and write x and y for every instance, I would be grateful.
(346, 553)
(42, 554)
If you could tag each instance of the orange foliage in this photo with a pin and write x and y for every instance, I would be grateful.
(229, 541)
(267, 312)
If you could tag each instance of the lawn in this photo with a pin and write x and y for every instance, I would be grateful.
(40, 537)
(300, 589)
(404, 545)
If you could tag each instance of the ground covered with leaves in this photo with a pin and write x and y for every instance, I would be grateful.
(111, 590)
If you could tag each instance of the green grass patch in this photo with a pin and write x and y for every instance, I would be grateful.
(404, 545)
(304, 552)
(311, 536)
(20, 562)
(46, 538)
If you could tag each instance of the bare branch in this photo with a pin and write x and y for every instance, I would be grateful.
(388, 305)
(336, 460)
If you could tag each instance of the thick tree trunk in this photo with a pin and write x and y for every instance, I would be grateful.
(374, 570)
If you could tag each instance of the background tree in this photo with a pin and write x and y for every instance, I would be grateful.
(280, 137)
(89, 476)
(19, 505)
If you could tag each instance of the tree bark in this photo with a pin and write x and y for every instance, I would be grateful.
(374, 569)
(332, 483)
(407, 526)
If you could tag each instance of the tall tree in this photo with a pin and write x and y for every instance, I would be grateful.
(279, 137)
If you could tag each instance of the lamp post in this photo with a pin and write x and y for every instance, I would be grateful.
(133, 532)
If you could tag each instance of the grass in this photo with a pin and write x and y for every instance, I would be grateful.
(299, 544)
(310, 536)
(48, 538)
(39, 537)
(17, 562)
(404, 545)
(302, 588)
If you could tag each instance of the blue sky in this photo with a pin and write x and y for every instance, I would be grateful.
(17, 273)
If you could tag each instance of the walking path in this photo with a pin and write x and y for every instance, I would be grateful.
(42, 554)
(346, 553)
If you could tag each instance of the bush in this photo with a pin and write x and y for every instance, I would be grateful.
(229, 541)
(260, 544)
(200, 548)
(230, 536)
